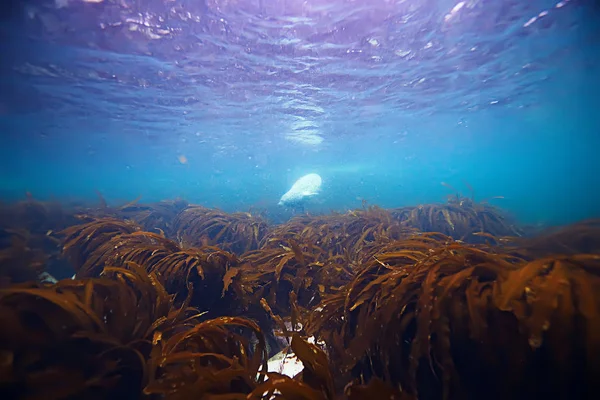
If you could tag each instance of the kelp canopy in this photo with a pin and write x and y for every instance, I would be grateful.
(179, 301)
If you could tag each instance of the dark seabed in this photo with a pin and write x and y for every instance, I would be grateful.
(149, 250)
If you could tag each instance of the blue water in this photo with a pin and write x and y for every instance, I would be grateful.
(384, 99)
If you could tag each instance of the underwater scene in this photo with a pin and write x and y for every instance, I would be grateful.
(299, 199)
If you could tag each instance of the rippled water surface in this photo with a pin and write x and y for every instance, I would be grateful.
(248, 85)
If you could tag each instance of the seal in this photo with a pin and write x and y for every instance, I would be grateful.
(303, 190)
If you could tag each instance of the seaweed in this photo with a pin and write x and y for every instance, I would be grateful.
(198, 226)
(172, 300)
(105, 242)
(274, 273)
(207, 359)
(82, 338)
(83, 240)
(157, 216)
(582, 237)
(126, 332)
(28, 239)
(347, 238)
(423, 320)
(461, 218)
(18, 261)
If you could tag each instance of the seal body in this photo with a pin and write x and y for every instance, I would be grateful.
(302, 191)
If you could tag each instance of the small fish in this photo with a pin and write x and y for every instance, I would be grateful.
(182, 159)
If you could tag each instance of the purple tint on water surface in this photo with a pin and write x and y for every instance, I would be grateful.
(323, 62)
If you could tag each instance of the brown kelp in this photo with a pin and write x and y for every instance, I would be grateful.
(108, 242)
(81, 241)
(581, 237)
(207, 359)
(82, 338)
(28, 239)
(125, 330)
(37, 217)
(275, 273)
(154, 217)
(461, 218)
(348, 234)
(18, 261)
(438, 323)
(239, 232)
(176, 301)
(316, 256)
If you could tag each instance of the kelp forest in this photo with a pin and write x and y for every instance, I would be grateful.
(172, 300)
